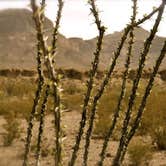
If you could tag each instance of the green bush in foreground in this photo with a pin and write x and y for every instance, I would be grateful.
(159, 137)
(12, 130)
(140, 154)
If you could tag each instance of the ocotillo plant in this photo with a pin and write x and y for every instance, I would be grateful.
(46, 58)
(93, 71)
(107, 78)
(35, 104)
(41, 126)
(144, 53)
(123, 87)
(53, 80)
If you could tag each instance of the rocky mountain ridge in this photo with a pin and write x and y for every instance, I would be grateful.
(18, 45)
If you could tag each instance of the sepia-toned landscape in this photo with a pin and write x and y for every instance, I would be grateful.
(63, 99)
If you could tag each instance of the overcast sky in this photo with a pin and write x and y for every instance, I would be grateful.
(76, 21)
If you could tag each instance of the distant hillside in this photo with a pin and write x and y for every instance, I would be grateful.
(18, 45)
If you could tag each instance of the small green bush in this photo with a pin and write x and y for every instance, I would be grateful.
(154, 114)
(72, 102)
(21, 108)
(46, 150)
(159, 137)
(106, 109)
(73, 88)
(17, 87)
(140, 154)
(12, 130)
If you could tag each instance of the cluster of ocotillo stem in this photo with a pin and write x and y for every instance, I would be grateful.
(46, 58)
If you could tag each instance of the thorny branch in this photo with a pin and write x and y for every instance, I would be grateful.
(38, 17)
(144, 99)
(92, 74)
(49, 54)
(35, 104)
(123, 87)
(144, 53)
(41, 126)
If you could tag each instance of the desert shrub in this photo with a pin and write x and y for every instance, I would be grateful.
(10, 73)
(132, 74)
(17, 87)
(73, 91)
(9, 87)
(28, 73)
(159, 137)
(101, 127)
(16, 96)
(4, 72)
(139, 153)
(73, 88)
(12, 130)
(21, 108)
(46, 150)
(163, 75)
(154, 114)
(105, 112)
(73, 74)
(99, 74)
(72, 102)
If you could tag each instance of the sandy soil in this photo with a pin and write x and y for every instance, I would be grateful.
(13, 155)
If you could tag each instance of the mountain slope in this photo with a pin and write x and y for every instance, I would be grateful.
(18, 45)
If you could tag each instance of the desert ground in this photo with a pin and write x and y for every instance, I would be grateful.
(12, 155)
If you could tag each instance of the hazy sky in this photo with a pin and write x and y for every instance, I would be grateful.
(76, 21)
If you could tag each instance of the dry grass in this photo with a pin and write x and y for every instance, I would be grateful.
(140, 153)
(16, 103)
(12, 128)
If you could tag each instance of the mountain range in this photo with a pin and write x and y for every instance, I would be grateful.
(18, 45)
